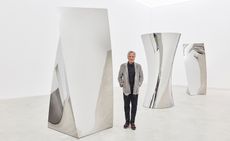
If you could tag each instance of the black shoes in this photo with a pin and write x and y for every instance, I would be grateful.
(126, 125)
(133, 127)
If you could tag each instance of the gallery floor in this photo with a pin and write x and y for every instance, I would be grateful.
(193, 118)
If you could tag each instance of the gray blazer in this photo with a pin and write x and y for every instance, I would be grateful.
(123, 78)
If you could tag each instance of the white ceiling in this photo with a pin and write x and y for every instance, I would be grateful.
(156, 3)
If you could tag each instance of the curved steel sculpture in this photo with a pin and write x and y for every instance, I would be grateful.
(195, 66)
(160, 49)
(81, 100)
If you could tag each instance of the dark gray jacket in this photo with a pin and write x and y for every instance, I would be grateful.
(123, 78)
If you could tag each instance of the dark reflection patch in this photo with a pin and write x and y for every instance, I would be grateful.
(56, 108)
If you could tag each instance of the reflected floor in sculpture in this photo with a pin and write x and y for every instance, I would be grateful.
(201, 118)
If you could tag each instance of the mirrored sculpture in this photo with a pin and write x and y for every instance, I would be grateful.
(81, 100)
(160, 49)
(195, 66)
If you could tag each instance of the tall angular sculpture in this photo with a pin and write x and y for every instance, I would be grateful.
(195, 66)
(160, 49)
(81, 100)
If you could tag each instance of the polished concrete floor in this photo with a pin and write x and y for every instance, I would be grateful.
(193, 118)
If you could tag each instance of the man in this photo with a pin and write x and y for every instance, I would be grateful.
(130, 79)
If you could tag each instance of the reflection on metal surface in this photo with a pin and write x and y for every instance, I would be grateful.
(81, 100)
(56, 113)
(195, 66)
(160, 49)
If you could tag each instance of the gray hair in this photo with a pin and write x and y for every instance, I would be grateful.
(131, 52)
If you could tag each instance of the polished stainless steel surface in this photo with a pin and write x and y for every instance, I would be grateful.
(160, 49)
(81, 100)
(195, 66)
(55, 115)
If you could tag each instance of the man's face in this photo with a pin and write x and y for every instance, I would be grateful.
(131, 57)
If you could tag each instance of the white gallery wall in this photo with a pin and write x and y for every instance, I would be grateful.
(29, 38)
(205, 21)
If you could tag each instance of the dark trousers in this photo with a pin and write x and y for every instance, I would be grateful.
(133, 99)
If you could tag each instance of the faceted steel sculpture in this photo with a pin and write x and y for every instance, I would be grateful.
(81, 100)
(195, 66)
(160, 49)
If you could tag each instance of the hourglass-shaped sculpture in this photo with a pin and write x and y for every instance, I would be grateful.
(160, 49)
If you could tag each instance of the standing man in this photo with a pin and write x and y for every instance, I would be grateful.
(130, 79)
